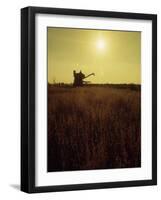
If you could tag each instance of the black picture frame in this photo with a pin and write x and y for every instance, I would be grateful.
(28, 98)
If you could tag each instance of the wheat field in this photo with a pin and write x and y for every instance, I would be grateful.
(96, 127)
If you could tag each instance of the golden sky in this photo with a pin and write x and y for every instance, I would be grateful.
(114, 56)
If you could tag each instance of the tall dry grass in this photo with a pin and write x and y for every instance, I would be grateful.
(93, 128)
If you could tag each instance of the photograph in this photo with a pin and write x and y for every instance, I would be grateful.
(88, 99)
(93, 99)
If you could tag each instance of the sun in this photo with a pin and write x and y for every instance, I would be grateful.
(100, 44)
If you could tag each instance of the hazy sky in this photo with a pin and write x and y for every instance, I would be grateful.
(114, 56)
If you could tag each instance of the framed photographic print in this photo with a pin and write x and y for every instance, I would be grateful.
(88, 99)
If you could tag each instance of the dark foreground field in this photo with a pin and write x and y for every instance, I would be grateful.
(93, 128)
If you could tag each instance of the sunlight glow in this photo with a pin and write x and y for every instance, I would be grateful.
(100, 44)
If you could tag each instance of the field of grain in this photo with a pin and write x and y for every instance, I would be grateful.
(93, 128)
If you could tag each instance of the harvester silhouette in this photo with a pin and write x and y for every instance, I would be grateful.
(79, 78)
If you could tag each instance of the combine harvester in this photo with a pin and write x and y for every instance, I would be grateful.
(79, 78)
